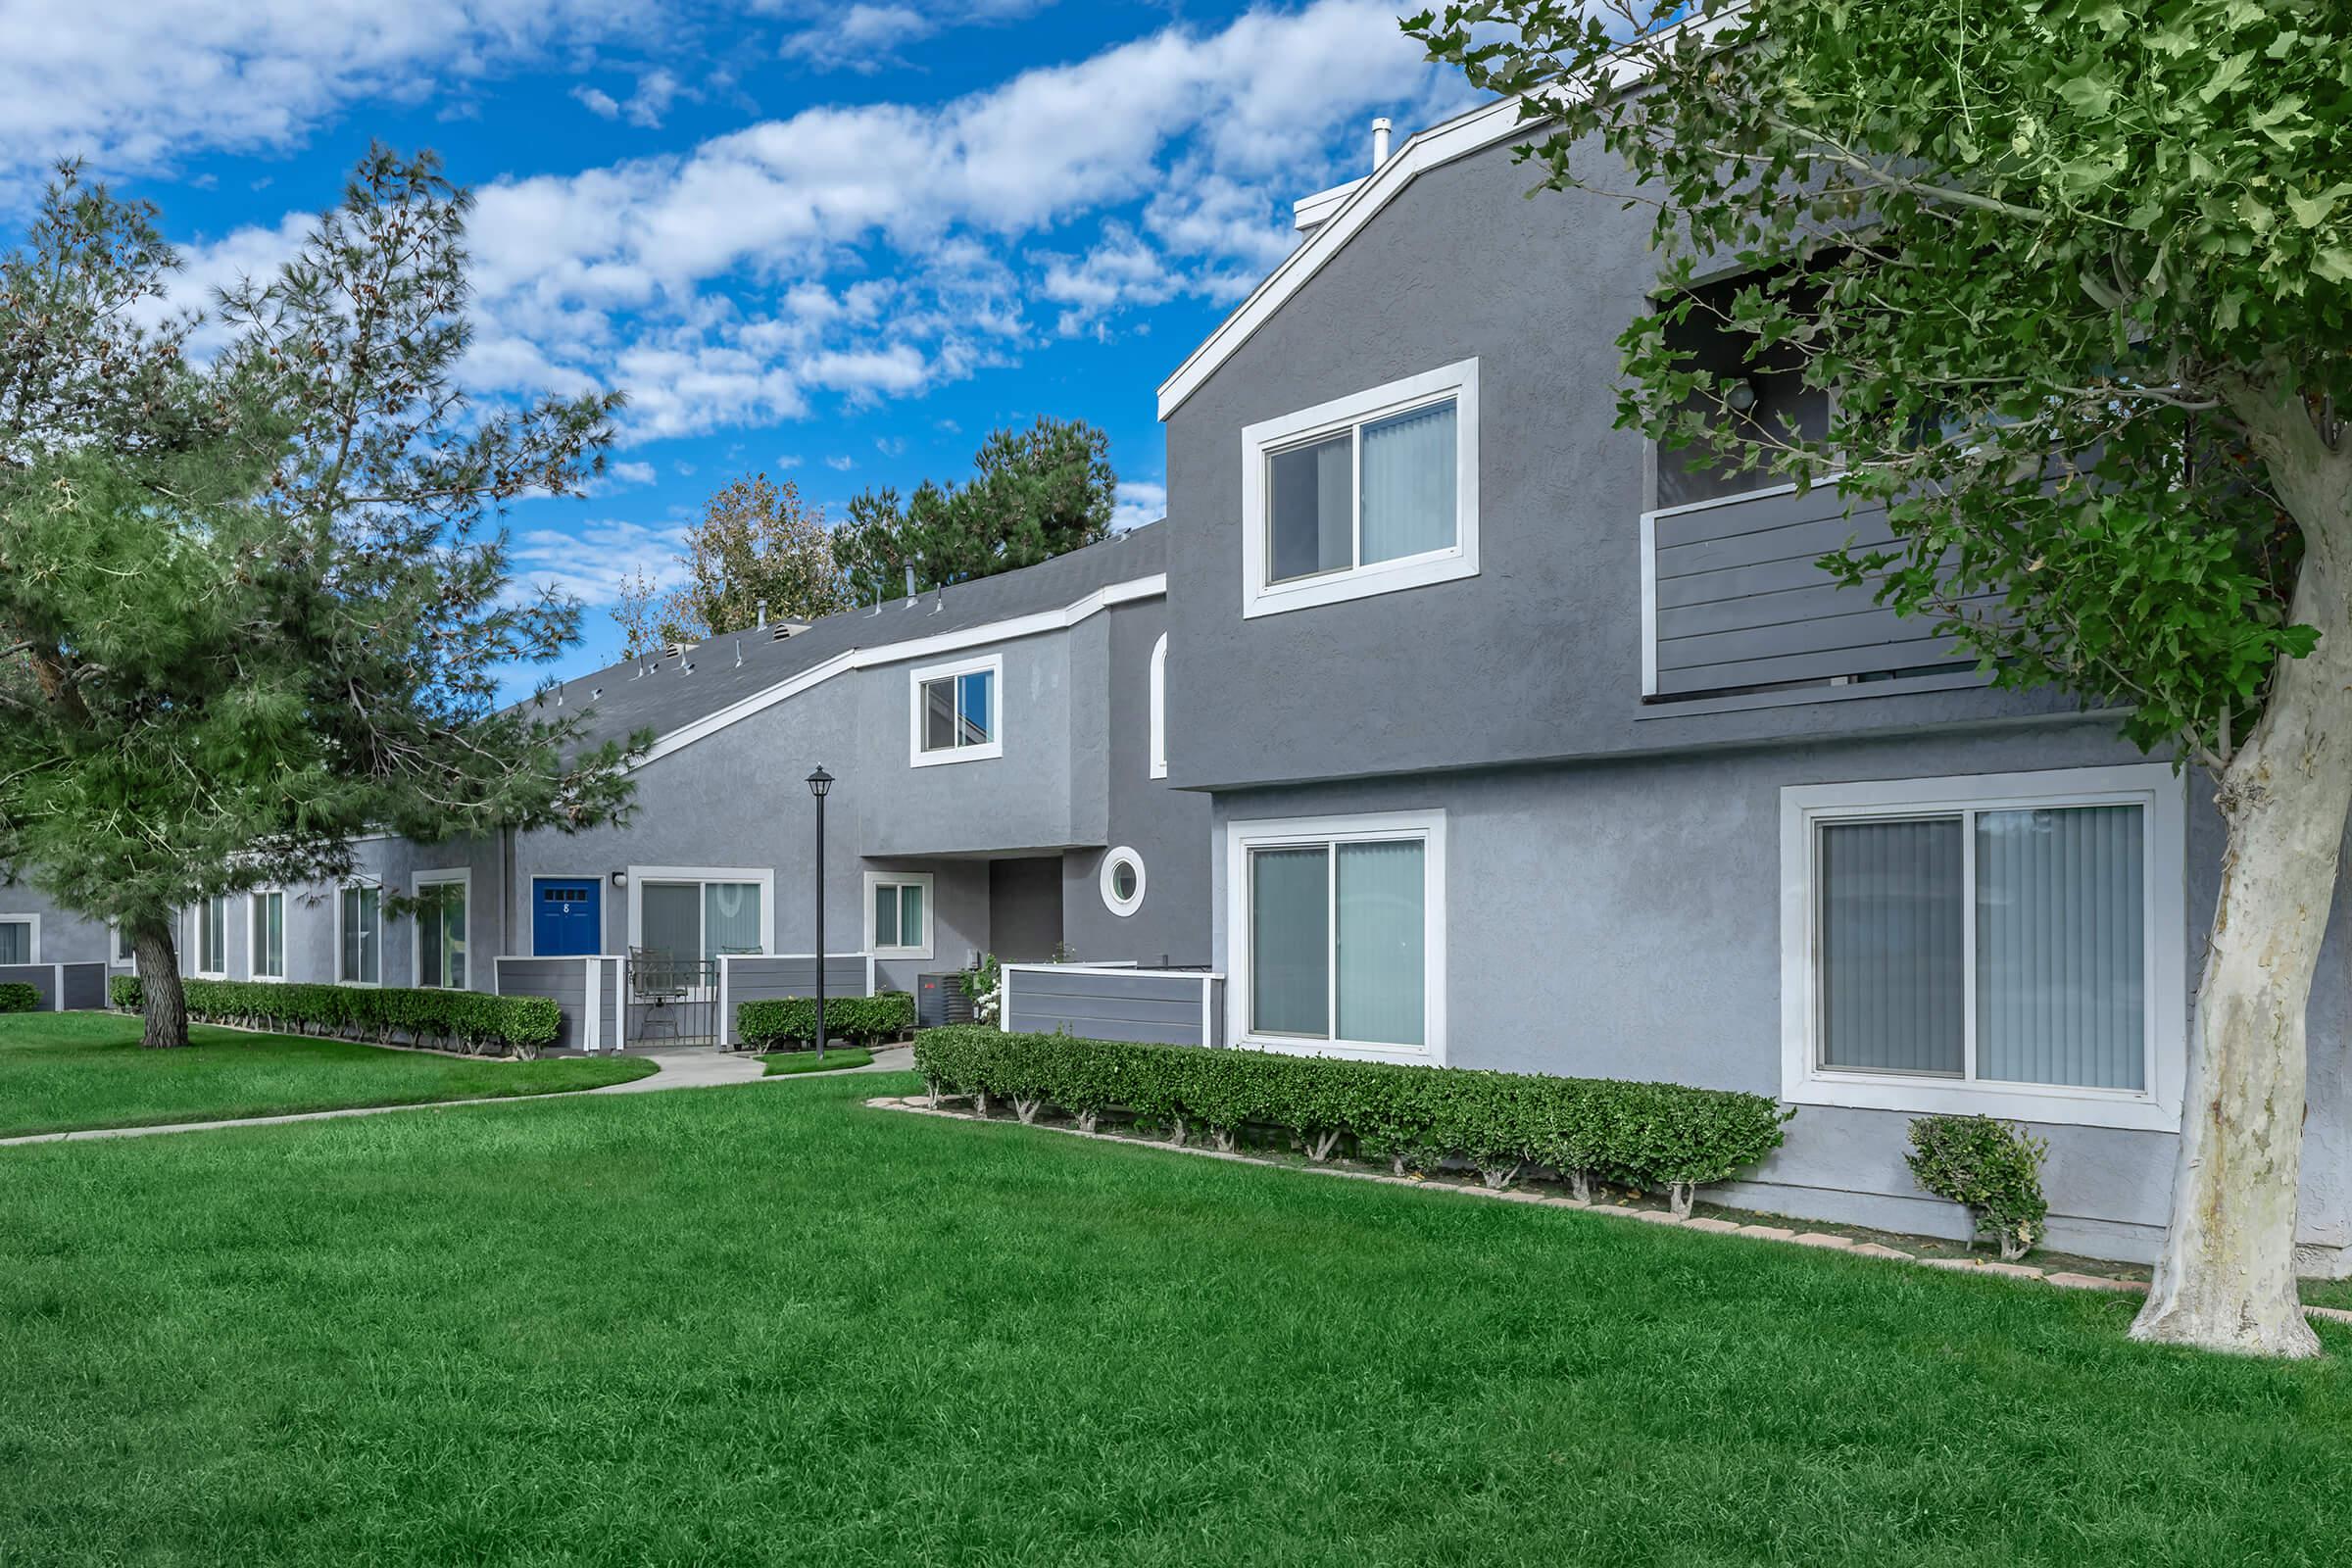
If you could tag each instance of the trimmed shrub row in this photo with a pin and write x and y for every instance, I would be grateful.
(1642, 1135)
(785, 1022)
(18, 996)
(462, 1020)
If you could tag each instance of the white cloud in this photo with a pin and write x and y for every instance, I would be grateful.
(879, 250)
(1139, 502)
(591, 559)
(862, 38)
(137, 85)
(789, 462)
(656, 92)
(891, 445)
(840, 464)
(601, 103)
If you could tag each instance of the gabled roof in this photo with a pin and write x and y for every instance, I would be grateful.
(730, 676)
(1458, 137)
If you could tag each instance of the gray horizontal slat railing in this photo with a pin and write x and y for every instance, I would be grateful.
(1151, 1006)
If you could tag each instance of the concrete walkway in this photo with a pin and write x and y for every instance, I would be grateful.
(677, 1067)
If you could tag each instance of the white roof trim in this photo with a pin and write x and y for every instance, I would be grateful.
(1468, 133)
(949, 642)
(1308, 211)
(1458, 137)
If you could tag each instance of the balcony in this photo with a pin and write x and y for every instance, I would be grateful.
(1735, 605)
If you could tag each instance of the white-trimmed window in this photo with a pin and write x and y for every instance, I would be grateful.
(1336, 935)
(954, 713)
(1363, 495)
(1159, 707)
(360, 934)
(898, 915)
(269, 937)
(699, 912)
(20, 939)
(443, 899)
(2010, 943)
(212, 936)
(1123, 881)
(118, 950)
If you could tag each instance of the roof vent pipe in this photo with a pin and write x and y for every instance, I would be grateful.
(762, 612)
(1380, 142)
(910, 582)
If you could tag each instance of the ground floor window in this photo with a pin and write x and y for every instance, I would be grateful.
(20, 939)
(120, 948)
(270, 935)
(359, 936)
(1337, 927)
(212, 936)
(898, 909)
(441, 922)
(692, 916)
(1990, 937)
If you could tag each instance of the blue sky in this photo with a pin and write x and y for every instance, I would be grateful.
(835, 243)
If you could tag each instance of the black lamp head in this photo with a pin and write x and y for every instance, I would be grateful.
(819, 782)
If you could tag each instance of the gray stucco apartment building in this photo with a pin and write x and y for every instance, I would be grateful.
(1439, 721)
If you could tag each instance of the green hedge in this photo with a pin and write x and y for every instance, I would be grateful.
(1992, 1168)
(467, 1020)
(16, 995)
(783, 1022)
(1644, 1134)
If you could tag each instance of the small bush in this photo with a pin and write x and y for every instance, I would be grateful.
(1992, 1168)
(784, 1023)
(16, 995)
(471, 1021)
(1652, 1135)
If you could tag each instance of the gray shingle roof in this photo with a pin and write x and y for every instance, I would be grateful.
(675, 691)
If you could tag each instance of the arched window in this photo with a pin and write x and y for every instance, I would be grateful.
(1159, 707)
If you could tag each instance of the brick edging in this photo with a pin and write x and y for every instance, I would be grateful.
(1784, 1235)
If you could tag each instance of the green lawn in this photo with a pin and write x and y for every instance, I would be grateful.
(62, 1070)
(720, 1327)
(837, 1059)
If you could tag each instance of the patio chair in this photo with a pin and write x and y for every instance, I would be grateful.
(657, 983)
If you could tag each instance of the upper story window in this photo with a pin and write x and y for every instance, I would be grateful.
(1769, 398)
(1159, 707)
(1363, 495)
(953, 712)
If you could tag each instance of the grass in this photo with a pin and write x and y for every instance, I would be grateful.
(714, 1326)
(66, 1070)
(837, 1059)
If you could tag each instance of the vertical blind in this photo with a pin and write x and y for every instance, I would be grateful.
(360, 947)
(1289, 942)
(1382, 939)
(730, 917)
(2056, 921)
(270, 934)
(1311, 509)
(670, 919)
(15, 941)
(1410, 497)
(1892, 946)
(2060, 914)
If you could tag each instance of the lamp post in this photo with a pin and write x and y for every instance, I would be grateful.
(819, 783)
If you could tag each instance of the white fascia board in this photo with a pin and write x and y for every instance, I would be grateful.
(1458, 137)
(1307, 211)
(1030, 625)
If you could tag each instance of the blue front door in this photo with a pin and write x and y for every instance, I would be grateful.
(566, 917)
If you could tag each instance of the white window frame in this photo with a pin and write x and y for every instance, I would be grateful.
(253, 933)
(993, 666)
(1159, 707)
(119, 954)
(2161, 795)
(765, 877)
(32, 919)
(1242, 837)
(1457, 382)
(375, 887)
(460, 876)
(1122, 908)
(865, 921)
(199, 911)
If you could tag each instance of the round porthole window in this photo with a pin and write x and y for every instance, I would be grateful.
(1123, 881)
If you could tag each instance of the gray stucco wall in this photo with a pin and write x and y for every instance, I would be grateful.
(1537, 656)
(1642, 940)
(66, 936)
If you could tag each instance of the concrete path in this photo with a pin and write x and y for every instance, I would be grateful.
(678, 1067)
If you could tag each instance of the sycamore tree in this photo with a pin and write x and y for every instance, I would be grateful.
(1033, 495)
(757, 545)
(253, 608)
(2078, 275)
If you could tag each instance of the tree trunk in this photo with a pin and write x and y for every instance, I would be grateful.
(162, 1003)
(2226, 1277)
